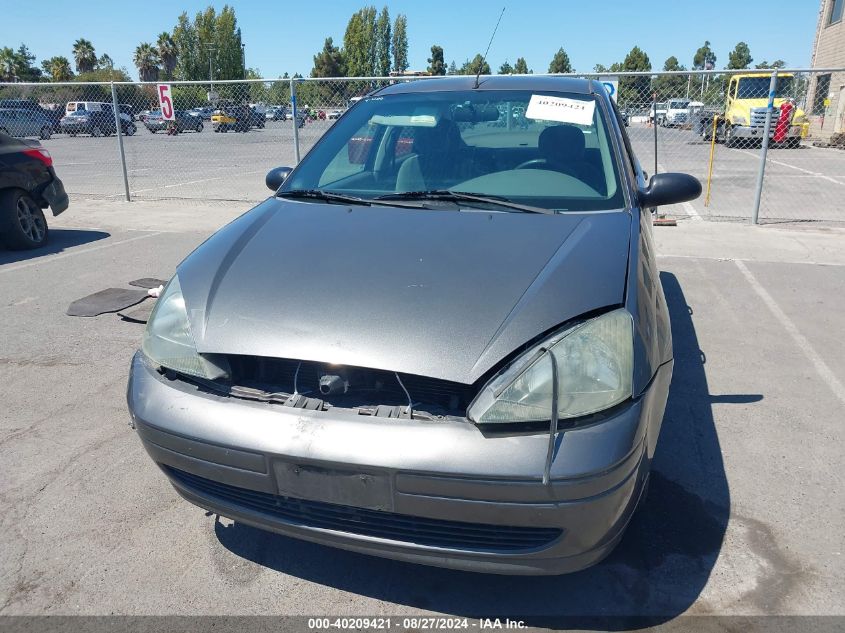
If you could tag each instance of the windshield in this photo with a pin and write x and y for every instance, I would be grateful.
(758, 87)
(678, 105)
(549, 150)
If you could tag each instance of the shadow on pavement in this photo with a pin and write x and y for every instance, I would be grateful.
(59, 240)
(656, 573)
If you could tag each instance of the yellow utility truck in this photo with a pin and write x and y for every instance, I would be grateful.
(744, 117)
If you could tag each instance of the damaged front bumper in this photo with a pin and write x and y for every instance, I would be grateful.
(434, 492)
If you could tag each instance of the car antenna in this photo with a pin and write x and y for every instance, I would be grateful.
(481, 65)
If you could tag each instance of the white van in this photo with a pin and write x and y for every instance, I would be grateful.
(125, 113)
(90, 106)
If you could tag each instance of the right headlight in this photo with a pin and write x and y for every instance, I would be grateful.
(595, 364)
(168, 340)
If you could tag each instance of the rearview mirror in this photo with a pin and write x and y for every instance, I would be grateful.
(276, 176)
(671, 188)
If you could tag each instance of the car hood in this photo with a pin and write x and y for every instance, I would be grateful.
(437, 293)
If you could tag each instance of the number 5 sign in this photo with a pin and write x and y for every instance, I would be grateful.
(166, 102)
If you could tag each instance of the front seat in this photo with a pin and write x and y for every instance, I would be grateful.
(563, 149)
(436, 160)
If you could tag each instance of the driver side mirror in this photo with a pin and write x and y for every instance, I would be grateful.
(671, 188)
(276, 176)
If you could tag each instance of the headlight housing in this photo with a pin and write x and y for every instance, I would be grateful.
(595, 363)
(168, 340)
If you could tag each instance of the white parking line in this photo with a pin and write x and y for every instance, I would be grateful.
(822, 368)
(190, 182)
(53, 258)
(801, 169)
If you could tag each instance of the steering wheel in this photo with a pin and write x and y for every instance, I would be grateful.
(530, 164)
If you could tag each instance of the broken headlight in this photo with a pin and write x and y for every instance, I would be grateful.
(168, 340)
(595, 361)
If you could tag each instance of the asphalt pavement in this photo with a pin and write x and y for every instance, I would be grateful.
(743, 517)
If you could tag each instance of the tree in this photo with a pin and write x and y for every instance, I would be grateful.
(383, 43)
(704, 58)
(506, 69)
(166, 49)
(560, 63)
(186, 42)
(84, 55)
(146, 61)
(210, 39)
(473, 67)
(600, 69)
(778, 63)
(436, 65)
(668, 86)
(453, 69)
(400, 44)
(521, 67)
(355, 46)
(17, 65)
(329, 62)
(58, 68)
(634, 91)
(105, 62)
(739, 57)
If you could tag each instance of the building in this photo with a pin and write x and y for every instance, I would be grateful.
(826, 98)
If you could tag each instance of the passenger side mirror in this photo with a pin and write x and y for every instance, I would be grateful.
(671, 188)
(276, 176)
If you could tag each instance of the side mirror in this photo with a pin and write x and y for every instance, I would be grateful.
(670, 188)
(276, 176)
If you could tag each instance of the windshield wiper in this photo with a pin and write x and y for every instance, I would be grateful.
(328, 196)
(464, 196)
(319, 194)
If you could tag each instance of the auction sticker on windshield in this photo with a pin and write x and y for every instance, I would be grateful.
(546, 108)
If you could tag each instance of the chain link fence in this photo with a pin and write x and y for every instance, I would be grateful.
(109, 140)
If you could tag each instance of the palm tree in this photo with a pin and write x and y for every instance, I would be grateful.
(84, 55)
(58, 68)
(7, 64)
(146, 60)
(167, 53)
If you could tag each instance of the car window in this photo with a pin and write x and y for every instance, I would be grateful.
(544, 149)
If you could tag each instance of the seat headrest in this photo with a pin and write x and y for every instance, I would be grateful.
(562, 143)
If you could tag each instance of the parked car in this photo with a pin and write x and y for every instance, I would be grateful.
(231, 117)
(256, 118)
(184, 121)
(276, 113)
(19, 122)
(28, 184)
(54, 115)
(93, 122)
(471, 372)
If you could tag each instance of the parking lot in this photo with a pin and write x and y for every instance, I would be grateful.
(746, 503)
(231, 166)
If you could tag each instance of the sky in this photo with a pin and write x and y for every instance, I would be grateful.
(284, 36)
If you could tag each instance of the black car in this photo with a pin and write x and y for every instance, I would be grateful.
(28, 184)
(93, 122)
(54, 115)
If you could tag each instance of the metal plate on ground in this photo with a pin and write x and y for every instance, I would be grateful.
(147, 282)
(362, 490)
(108, 300)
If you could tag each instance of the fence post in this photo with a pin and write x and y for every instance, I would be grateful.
(764, 149)
(119, 127)
(295, 119)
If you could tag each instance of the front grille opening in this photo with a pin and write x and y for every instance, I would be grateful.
(370, 391)
(378, 523)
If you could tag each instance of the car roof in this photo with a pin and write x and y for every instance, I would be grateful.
(494, 82)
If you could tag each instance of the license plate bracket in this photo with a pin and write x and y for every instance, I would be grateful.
(373, 491)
